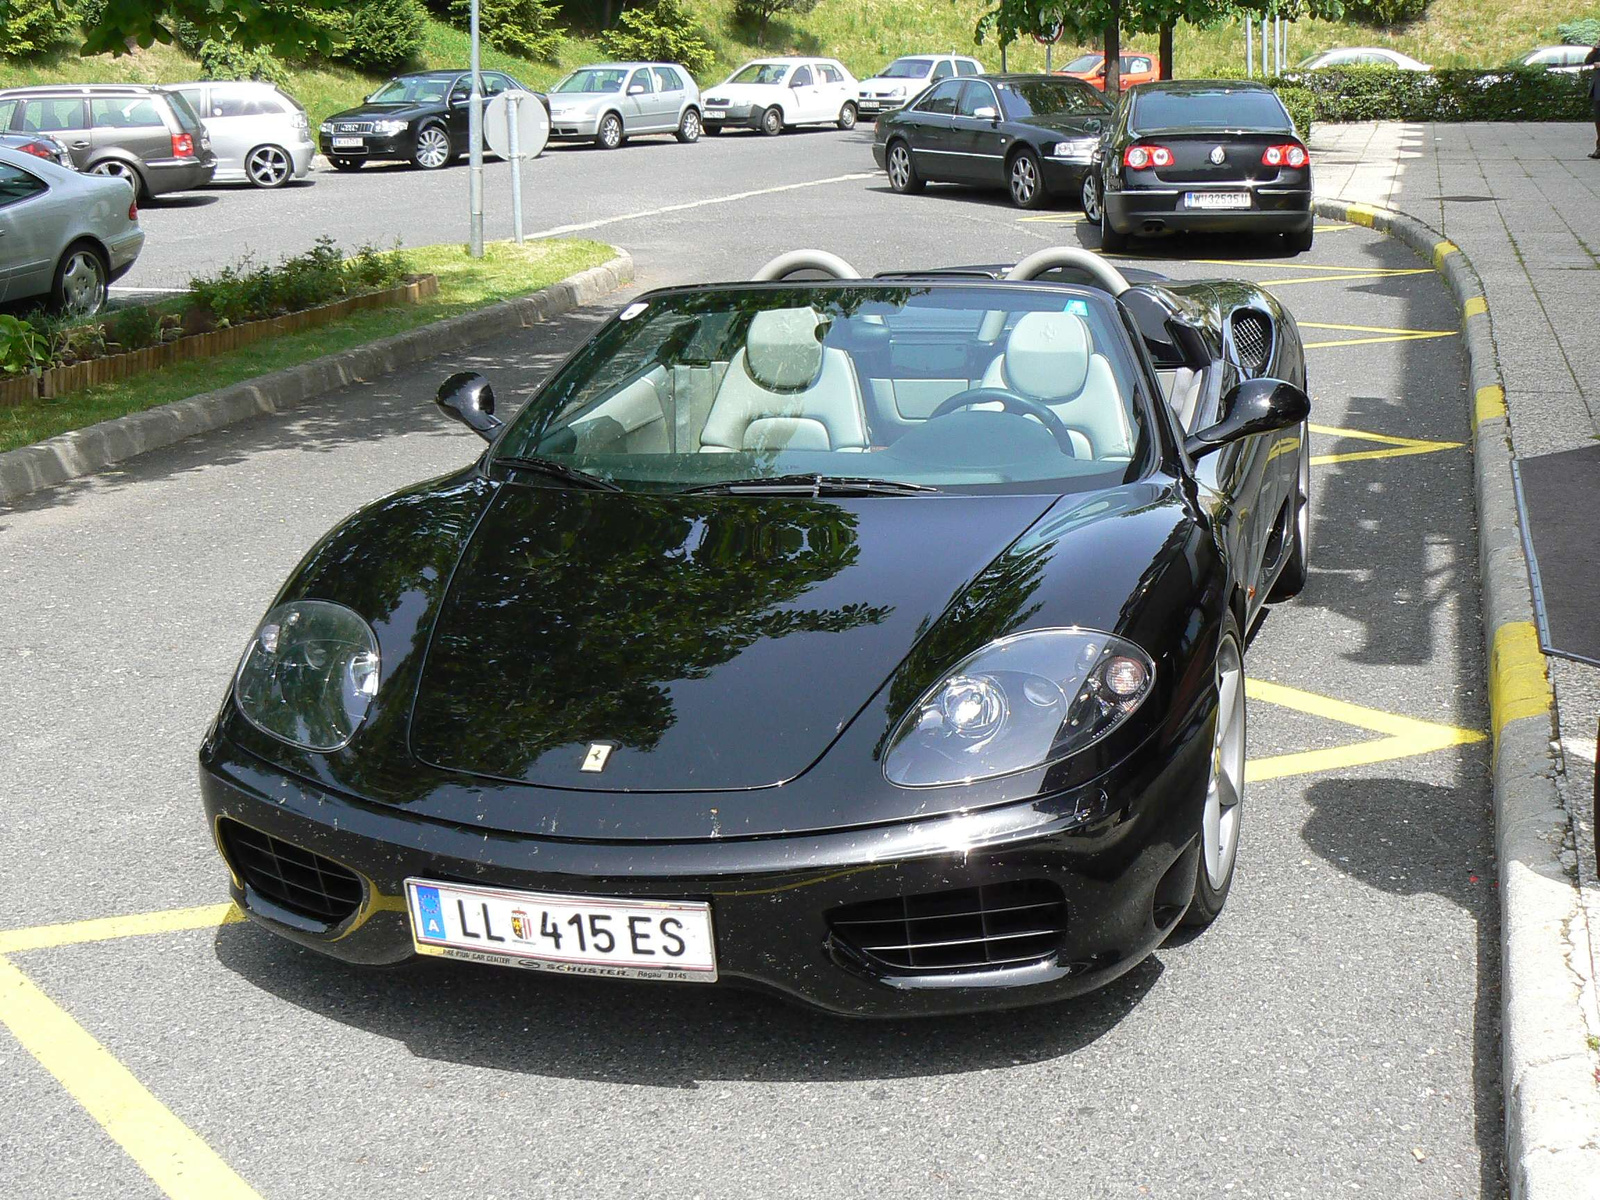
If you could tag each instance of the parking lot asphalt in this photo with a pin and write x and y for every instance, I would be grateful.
(1335, 1032)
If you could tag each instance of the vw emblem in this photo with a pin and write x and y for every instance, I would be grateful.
(1217, 155)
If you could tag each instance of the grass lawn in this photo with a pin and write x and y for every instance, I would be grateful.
(505, 271)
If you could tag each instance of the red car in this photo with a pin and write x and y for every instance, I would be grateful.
(1091, 68)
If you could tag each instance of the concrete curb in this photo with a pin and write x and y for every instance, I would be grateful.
(1552, 1106)
(92, 449)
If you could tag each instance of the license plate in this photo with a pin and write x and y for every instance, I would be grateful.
(578, 935)
(351, 143)
(1217, 199)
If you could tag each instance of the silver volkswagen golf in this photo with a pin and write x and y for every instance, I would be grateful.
(260, 135)
(611, 102)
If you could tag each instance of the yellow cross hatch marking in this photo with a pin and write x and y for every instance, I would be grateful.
(104, 929)
(1380, 333)
(1394, 447)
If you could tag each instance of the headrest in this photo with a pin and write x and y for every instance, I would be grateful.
(783, 350)
(1047, 355)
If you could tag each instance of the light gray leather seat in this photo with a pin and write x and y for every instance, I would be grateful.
(785, 390)
(1049, 357)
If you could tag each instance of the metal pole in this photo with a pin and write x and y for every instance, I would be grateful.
(513, 104)
(1283, 25)
(1265, 62)
(475, 146)
(1249, 49)
(1047, 48)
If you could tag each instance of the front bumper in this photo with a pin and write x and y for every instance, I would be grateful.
(874, 106)
(574, 127)
(1063, 176)
(1163, 210)
(1124, 868)
(373, 146)
(735, 114)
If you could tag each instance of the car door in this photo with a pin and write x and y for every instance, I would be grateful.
(227, 118)
(64, 116)
(131, 124)
(670, 98)
(977, 144)
(638, 102)
(803, 105)
(836, 91)
(932, 118)
(31, 233)
(458, 110)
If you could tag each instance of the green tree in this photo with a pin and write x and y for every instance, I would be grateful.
(29, 27)
(660, 32)
(289, 30)
(761, 12)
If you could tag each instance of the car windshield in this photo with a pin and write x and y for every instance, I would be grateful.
(593, 79)
(413, 89)
(1220, 109)
(871, 386)
(1084, 63)
(907, 68)
(767, 73)
(1050, 98)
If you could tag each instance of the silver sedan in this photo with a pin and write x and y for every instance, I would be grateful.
(63, 236)
(611, 102)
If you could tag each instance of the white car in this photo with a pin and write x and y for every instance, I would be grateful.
(1566, 59)
(771, 94)
(63, 235)
(1361, 56)
(259, 135)
(903, 80)
(608, 103)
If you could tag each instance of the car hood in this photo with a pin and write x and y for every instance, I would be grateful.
(714, 643)
(885, 82)
(1061, 123)
(378, 112)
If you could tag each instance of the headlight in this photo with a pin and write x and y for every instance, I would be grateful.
(389, 128)
(325, 127)
(1077, 149)
(1021, 702)
(309, 675)
(898, 91)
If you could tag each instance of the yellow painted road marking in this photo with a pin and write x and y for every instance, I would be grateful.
(1394, 447)
(1517, 684)
(104, 929)
(1381, 334)
(1442, 251)
(1405, 737)
(1361, 214)
(1384, 274)
(1476, 306)
(1491, 403)
(167, 1150)
(1330, 228)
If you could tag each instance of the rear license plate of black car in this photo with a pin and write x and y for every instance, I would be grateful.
(1217, 200)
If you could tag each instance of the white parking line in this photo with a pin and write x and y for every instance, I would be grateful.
(557, 230)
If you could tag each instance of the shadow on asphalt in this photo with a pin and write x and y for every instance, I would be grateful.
(180, 200)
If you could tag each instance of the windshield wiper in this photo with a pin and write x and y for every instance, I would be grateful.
(813, 485)
(555, 470)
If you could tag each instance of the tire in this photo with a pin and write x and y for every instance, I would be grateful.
(115, 168)
(432, 151)
(1219, 824)
(902, 170)
(1111, 242)
(268, 166)
(690, 126)
(1089, 198)
(608, 135)
(711, 130)
(772, 121)
(347, 164)
(1025, 180)
(847, 115)
(1296, 570)
(1299, 243)
(81, 278)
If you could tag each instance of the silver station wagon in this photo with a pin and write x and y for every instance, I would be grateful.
(608, 103)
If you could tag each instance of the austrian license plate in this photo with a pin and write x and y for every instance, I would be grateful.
(1217, 200)
(579, 935)
(348, 143)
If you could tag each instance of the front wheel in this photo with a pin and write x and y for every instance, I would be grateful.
(609, 135)
(1219, 824)
(712, 129)
(1026, 180)
(79, 287)
(847, 115)
(772, 121)
(689, 128)
(1089, 197)
(903, 175)
(432, 150)
(269, 166)
(1296, 571)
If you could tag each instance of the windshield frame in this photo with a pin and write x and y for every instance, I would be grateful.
(404, 82)
(561, 88)
(1154, 453)
(787, 68)
(928, 65)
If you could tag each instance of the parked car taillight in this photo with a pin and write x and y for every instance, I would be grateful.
(133, 210)
(300, 120)
(1291, 154)
(182, 146)
(1144, 156)
(38, 150)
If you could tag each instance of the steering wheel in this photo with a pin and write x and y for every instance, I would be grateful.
(1012, 403)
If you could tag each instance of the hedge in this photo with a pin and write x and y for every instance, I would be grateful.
(1384, 94)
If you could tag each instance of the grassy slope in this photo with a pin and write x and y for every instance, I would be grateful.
(867, 33)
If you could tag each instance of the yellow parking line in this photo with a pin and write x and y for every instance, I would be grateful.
(1336, 278)
(103, 929)
(173, 1155)
(1380, 333)
(1394, 447)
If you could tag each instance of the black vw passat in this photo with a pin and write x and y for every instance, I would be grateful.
(421, 119)
(1032, 135)
(875, 641)
(1200, 156)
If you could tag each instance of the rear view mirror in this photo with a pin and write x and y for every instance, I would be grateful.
(1255, 406)
(468, 398)
(986, 112)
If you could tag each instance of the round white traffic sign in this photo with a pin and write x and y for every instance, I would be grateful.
(533, 124)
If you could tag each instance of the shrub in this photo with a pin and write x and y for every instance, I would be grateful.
(382, 34)
(659, 32)
(374, 270)
(1382, 94)
(224, 58)
(23, 349)
(1384, 12)
(523, 27)
(29, 27)
(1301, 106)
(247, 292)
(1584, 32)
(134, 328)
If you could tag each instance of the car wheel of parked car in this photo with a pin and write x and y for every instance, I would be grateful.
(269, 166)
(689, 128)
(1089, 197)
(1296, 571)
(772, 121)
(80, 284)
(903, 175)
(115, 168)
(847, 115)
(1026, 180)
(1219, 826)
(1110, 240)
(1299, 243)
(347, 164)
(609, 136)
(432, 149)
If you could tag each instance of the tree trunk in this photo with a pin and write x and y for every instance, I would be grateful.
(1114, 53)
(1002, 58)
(1166, 50)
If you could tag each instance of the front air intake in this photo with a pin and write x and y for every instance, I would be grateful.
(302, 882)
(1252, 340)
(996, 925)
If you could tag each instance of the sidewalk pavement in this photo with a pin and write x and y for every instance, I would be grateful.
(1522, 202)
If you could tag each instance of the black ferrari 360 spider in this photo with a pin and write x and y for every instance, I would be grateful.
(877, 641)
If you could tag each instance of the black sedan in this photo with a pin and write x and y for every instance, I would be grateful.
(876, 642)
(1032, 135)
(1202, 156)
(421, 119)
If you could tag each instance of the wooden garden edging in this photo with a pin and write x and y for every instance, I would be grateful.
(62, 381)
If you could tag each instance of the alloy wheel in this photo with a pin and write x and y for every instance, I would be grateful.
(433, 148)
(83, 283)
(691, 126)
(1024, 180)
(268, 167)
(1219, 831)
(899, 166)
(611, 131)
(1091, 200)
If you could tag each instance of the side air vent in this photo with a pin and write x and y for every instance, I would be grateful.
(1252, 340)
(1001, 924)
(302, 882)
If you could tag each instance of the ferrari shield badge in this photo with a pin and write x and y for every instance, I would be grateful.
(1217, 155)
(595, 760)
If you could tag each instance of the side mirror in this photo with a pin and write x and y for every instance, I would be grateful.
(468, 398)
(1255, 406)
(636, 89)
(986, 112)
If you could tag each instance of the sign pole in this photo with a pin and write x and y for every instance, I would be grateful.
(513, 105)
(475, 147)
(1249, 49)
